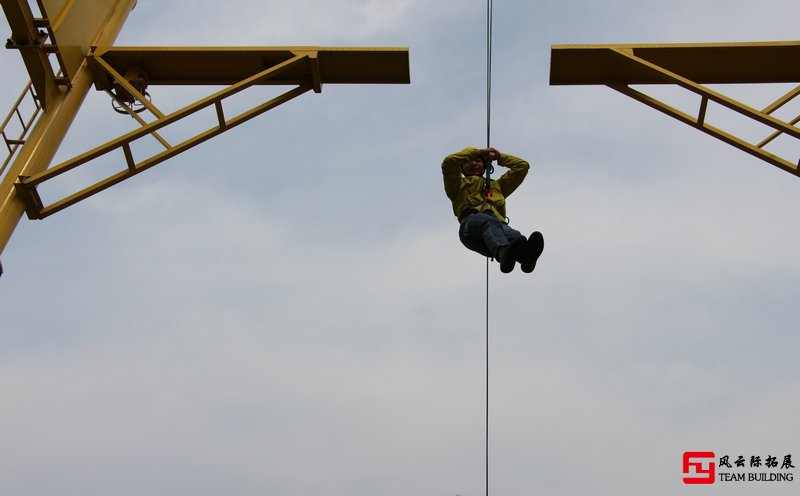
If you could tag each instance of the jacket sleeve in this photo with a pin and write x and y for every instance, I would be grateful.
(513, 177)
(451, 170)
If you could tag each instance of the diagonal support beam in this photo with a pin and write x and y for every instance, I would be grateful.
(691, 66)
(712, 95)
(780, 102)
(37, 209)
(708, 128)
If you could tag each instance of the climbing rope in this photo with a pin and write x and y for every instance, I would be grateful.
(488, 72)
(488, 171)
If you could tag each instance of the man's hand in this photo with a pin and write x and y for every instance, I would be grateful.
(490, 154)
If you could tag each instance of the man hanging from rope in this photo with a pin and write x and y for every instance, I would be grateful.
(480, 205)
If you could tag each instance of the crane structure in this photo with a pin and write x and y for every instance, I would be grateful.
(70, 48)
(693, 67)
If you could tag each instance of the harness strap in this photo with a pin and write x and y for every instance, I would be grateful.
(487, 181)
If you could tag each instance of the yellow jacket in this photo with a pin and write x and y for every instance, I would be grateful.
(466, 193)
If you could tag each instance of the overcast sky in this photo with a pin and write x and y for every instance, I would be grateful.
(286, 309)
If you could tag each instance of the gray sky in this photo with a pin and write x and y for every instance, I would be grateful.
(287, 309)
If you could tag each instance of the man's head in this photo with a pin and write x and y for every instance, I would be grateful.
(473, 168)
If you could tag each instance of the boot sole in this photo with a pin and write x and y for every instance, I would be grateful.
(533, 251)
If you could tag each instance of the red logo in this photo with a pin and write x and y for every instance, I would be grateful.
(698, 467)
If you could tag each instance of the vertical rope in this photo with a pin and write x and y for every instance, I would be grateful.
(488, 144)
(488, 72)
(487, 377)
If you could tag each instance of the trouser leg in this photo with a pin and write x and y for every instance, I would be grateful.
(484, 233)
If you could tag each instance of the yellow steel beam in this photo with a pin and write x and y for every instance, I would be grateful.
(704, 63)
(75, 27)
(227, 65)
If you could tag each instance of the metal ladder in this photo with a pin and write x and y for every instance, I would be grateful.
(13, 143)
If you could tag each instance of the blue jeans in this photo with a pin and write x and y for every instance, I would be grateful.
(485, 233)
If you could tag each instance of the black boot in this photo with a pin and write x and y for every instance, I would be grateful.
(509, 254)
(531, 252)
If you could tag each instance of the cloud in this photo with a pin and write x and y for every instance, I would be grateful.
(307, 22)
